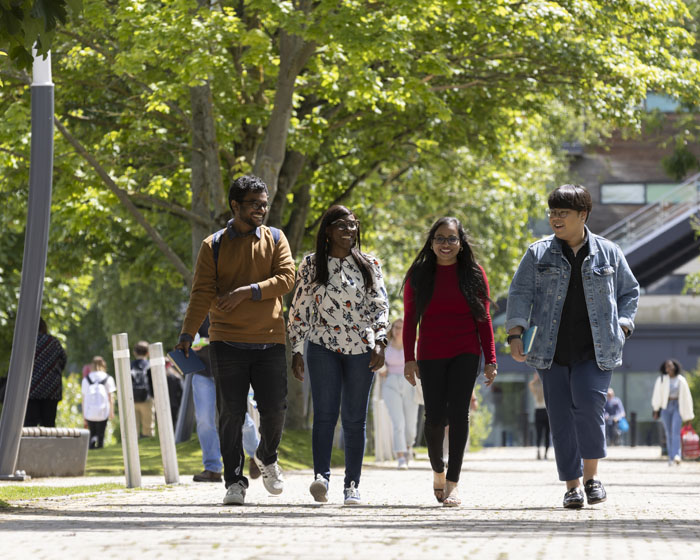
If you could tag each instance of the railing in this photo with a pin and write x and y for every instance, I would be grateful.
(675, 203)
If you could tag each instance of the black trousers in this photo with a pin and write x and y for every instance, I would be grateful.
(235, 370)
(97, 433)
(542, 427)
(41, 412)
(447, 390)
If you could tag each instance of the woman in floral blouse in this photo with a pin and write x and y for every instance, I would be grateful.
(341, 306)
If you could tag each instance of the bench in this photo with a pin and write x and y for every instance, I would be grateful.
(53, 451)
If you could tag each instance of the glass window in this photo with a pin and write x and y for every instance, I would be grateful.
(663, 103)
(656, 191)
(627, 193)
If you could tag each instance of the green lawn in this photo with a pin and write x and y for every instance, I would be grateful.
(294, 453)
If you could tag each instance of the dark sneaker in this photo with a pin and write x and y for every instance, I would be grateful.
(207, 476)
(573, 499)
(253, 470)
(595, 492)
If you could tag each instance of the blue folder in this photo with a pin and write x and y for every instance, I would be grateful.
(191, 364)
(529, 338)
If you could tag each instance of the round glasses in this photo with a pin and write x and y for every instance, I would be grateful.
(562, 214)
(346, 225)
(451, 240)
(255, 205)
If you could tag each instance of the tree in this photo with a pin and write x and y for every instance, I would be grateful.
(403, 110)
(28, 23)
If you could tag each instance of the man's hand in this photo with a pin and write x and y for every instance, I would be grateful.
(231, 300)
(411, 373)
(184, 345)
(376, 360)
(298, 366)
(516, 345)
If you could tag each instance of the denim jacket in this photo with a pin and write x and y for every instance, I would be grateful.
(538, 291)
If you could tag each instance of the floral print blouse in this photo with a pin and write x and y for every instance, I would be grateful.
(341, 315)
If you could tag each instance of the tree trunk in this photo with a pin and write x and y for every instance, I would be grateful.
(292, 167)
(208, 199)
(295, 227)
(294, 53)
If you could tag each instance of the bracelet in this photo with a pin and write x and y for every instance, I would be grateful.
(513, 336)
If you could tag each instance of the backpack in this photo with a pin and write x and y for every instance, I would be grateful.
(139, 380)
(216, 244)
(96, 403)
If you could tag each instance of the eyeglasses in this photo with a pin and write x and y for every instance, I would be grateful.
(558, 213)
(254, 204)
(451, 240)
(344, 225)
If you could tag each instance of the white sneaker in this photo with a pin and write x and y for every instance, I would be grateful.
(271, 475)
(677, 459)
(319, 489)
(403, 464)
(235, 495)
(352, 495)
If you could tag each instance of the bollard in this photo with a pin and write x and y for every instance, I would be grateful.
(127, 414)
(163, 416)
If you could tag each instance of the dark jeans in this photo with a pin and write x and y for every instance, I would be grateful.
(542, 427)
(234, 371)
(97, 433)
(447, 390)
(41, 412)
(340, 383)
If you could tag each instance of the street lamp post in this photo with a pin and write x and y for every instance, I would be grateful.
(33, 268)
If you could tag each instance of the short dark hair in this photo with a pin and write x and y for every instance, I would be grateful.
(676, 364)
(243, 185)
(141, 348)
(575, 197)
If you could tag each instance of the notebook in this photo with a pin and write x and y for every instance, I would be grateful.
(529, 338)
(191, 364)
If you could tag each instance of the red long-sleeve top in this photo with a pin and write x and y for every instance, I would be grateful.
(447, 327)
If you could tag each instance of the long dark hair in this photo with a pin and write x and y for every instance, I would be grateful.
(334, 213)
(421, 274)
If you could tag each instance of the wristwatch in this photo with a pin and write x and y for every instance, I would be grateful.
(513, 336)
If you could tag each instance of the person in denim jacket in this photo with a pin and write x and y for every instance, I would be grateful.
(579, 291)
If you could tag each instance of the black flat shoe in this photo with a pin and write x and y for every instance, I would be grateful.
(595, 492)
(573, 499)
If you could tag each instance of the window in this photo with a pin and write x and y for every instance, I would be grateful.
(624, 193)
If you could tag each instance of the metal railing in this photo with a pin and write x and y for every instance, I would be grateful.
(682, 200)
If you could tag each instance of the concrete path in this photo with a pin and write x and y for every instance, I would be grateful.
(511, 510)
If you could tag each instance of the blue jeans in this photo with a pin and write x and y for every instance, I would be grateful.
(204, 393)
(671, 419)
(340, 383)
(398, 396)
(575, 396)
(251, 439)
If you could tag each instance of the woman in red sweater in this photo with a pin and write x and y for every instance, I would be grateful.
(447, 292)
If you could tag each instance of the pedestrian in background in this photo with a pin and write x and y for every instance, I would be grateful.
(98, 390)
(541, 418)
(614, 412)
(142, 388)
(673, 403)
(446, 292)
(578, 289)
(341, 305)
(399, 396)
(46, 389)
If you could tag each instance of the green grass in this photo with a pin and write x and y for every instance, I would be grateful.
(11, 492)
(294, 454)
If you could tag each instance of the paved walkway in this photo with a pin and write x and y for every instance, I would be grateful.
(511, 511)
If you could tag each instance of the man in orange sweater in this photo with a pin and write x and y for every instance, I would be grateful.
(241, 274)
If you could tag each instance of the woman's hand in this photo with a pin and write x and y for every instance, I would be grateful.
(376, 360)
(491, 370)
(411, 373)
(298, 366)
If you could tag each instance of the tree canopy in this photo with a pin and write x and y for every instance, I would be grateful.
(402, 110)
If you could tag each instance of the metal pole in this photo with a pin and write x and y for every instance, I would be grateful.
(163, 415)
(33, 269)
(127, 414)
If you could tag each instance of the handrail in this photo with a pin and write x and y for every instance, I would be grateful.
(641, 222)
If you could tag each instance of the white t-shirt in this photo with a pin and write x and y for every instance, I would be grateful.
(97, 410)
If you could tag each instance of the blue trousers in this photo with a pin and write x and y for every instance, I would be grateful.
(340, 384)
(672, 421)
(575, 396)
